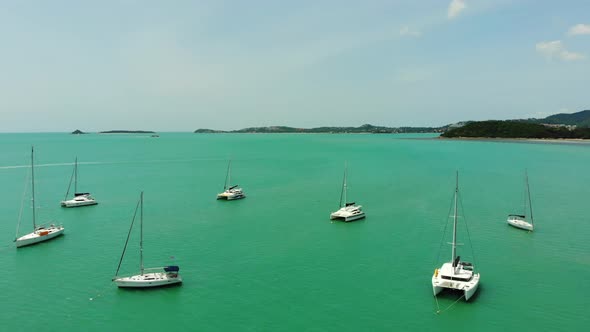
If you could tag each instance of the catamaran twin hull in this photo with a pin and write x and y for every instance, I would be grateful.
(455, 278)
(39, 235)
(148, 280)
(227, 195)
(348, 213)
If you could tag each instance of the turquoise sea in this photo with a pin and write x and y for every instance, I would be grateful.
(274, 261)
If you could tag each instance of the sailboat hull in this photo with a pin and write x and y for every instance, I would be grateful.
(78, 203)
(520, 223)
(148, 280)
(39, 235)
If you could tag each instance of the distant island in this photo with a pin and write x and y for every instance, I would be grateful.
(364, 129)
(558, 126)
(78, 132)
(127, 132)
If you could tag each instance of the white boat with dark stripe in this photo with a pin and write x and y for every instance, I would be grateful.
(40, 233)
(80, 199)
(147, 277)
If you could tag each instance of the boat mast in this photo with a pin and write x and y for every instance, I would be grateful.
(345, 187)
(76, 176)
(454, 244)
(528, 190)
(343, 191)
(33, 187)
(225, 185)
(141, 233)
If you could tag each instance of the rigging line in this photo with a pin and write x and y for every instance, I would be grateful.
(99, 293)
(444, 231)
(127, 241)
(437, 305)
(449, 307)
(225, 184)
(22, 204)
(467, 228)
(69, 184)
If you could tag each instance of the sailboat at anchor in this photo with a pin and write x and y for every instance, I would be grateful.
(456, 274)
(80, 199)
(155, 277)
(40, 232)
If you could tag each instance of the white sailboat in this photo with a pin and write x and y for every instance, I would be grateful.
(347, 211)
(520, 220)
(80, 199)
(40, 232)
(230, 192)
(162, 276)
(456, 274)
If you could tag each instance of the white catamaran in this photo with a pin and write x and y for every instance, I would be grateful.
(167, 275)
(347, 211)
(456, 274)
(40, 232)
(520, 220)
(80, 199)
(230, 192)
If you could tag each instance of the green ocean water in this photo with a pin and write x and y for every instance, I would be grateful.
(274, 261)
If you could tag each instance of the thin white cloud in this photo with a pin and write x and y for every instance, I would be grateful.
(455, 8)
(407, 31)
(555, 50)
(579, 29)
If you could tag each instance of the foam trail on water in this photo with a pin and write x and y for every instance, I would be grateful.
(112, 162)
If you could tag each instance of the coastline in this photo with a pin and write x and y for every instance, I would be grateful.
(520, 140)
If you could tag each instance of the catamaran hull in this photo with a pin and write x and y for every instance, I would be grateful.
(230, 197)
(148, 280)
(69, 204)
(520, 224)
(346, 218)
(37, 236)
(467, 287)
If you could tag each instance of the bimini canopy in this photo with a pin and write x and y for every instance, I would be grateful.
(173, 268)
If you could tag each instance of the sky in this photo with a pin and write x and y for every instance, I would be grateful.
(183, 65)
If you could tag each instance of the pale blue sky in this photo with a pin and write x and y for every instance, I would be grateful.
(183, 65)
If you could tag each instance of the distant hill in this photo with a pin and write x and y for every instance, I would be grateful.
(127, 132)
(579, 119)
(515, 129)
(78, 132)
(364, 129)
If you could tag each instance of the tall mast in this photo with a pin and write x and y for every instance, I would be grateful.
(76, 176)
(345, 188)
(528, 191)
(454, 244)
(33, 187)
(141, 233)
(227, 175)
